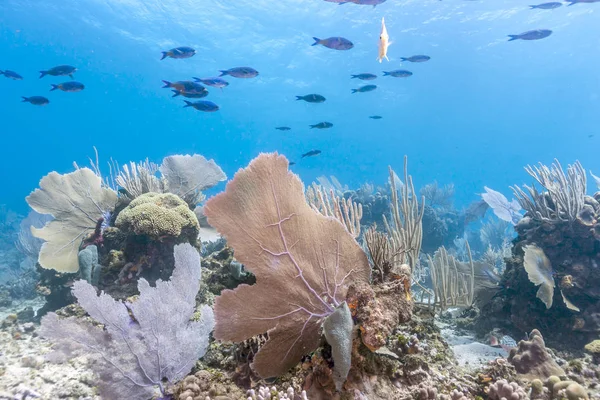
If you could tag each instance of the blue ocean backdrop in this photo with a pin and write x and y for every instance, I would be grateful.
(474, 115)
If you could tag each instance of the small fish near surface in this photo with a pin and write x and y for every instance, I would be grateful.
(364, 77)
(546, 6)
(322, 125)
(416, 59)
(375, 117)
(36, 100)
(312, 98)
(202, 105)
(384, 42)
(11, 75)
(311, 153)
(531, 35)
(399, 73)
(335, 43)
(69, 87)
(179, 52)
(363, 89)
(61, 70)
(214, 82)
(373, 3)
(571, 2)
(240, 72)
(283, 128)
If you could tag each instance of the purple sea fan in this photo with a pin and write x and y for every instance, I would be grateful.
(302, 260)
(144, 343)
(505, 210)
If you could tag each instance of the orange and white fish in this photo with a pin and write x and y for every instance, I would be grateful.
(384, 42)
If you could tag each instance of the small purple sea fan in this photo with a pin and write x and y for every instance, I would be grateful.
(133, 359)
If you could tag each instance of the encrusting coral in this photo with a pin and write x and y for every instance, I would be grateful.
(159, 215)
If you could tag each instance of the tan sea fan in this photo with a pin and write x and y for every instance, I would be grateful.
(76, 201)
(303, 262)
(539, 271)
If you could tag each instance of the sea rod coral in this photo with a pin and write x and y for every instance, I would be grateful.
(303, 262)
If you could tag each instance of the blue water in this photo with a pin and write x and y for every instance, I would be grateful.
(475, 114)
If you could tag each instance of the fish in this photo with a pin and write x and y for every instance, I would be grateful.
(505, 342)
(384, 42)
(214, 82)
(335, 43)
(312, 98)
(69, 87)
(283, 128)
(311, 153)
(416, 59)
(179, 52)
(61, 70)
(190, 95)
(36, 100)
(531, 35)
(375, 116)
(546, 6)
(581, 1)
(240, 72)
(321, 125)
(399, 73)
(185, 86)
(364, 77)
(292, 163)
(11, 75)
(373, 3)
(363, 89)
(202, 105)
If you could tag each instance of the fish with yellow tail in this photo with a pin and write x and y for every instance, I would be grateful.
(384, 42)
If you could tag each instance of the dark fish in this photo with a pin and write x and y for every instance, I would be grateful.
(375, 117)
(240, 72)
(61, 70)
(312, 98)
(366, 88)
(322, 125)
(335, 43)
(582, 1)
(373, 3)
(36, 100)
(179, 52)
(399, 73)
(292, 163)
(11, 75)
(190, 95)
(283, 128)
(591, 136)
(547, 6)
(531, 35)
(69, 87)
(214, 82)
(185, 86)
(364, 77)
(202, 105)
(416, 59)
(311, 153)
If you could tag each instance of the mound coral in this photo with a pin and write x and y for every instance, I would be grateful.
(302, 260)
(502, 390)
(532, 360)
(159, 215)
(78, 202)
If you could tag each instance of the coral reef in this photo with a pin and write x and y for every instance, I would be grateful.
(502, 390)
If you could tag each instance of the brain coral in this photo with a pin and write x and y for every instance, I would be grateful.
(158, 215)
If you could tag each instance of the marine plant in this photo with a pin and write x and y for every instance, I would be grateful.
(303, 261)
(78, 202)
(505, 210)
(140, 345)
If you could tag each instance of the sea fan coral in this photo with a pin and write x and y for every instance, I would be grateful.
(303, 262)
